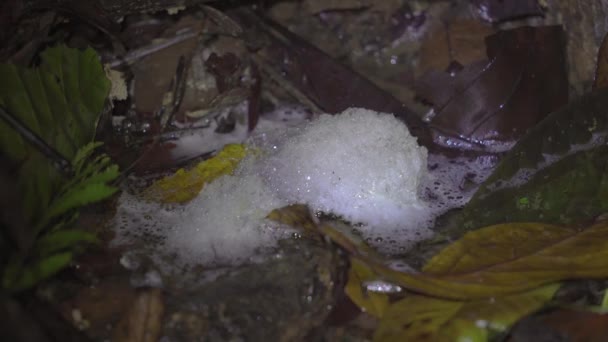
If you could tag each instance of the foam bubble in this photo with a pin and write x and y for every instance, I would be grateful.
(362, 166)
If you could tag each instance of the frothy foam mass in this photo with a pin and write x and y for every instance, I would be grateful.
(360, 165)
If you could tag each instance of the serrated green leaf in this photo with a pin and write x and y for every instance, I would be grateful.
(58, 240)
(83, 154)
(60, 101)
(18, 277)
(78, 197)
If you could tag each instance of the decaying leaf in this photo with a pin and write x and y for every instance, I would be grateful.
(184, 185)
(419, 318)
(143, 321)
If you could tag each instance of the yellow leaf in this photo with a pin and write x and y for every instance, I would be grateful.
(373, 303)
(419, 318)
(505, 259)
(184, 185)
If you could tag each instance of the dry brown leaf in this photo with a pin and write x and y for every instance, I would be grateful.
(143, 321)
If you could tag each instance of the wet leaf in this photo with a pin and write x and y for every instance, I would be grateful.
(419, 318)
(522, 81)
(505, 259)
(373, 303)
(184, 185)
(554, 174)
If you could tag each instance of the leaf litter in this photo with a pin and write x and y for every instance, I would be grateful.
(373, 285)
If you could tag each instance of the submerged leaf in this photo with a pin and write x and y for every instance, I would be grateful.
(185, 185)
(419, 318)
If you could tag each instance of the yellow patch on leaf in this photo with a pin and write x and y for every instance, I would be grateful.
(184, 185)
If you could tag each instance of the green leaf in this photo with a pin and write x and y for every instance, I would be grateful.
(60, 101)
(571, 189)
(58, 240)
(83, 154)
(19, 278)
(419, 318)
(78, 197)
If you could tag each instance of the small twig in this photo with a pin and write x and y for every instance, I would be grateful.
(179, 89)
(134, 55)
